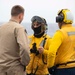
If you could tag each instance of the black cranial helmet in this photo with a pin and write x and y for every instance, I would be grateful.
(37, 18)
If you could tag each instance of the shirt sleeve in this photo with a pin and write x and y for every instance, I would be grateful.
(55, 44)
(22, 40)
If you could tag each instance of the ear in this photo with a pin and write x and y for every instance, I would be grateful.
(21, 15)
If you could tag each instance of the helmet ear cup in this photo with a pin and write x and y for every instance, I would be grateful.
(59, 18)
(45, 24)
(44, 27)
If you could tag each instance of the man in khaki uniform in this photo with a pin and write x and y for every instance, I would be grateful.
(14, 47)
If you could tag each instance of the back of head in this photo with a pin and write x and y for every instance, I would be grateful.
(16, 10)
(65, 16)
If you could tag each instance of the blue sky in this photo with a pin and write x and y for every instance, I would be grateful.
(44, 8)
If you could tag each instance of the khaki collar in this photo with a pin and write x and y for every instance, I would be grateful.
(14, 20)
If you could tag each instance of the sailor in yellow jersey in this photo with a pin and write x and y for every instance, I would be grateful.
(38, 60)
(61, 56)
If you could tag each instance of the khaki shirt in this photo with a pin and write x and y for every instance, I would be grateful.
(14, 47)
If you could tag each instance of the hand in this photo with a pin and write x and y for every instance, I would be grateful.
(40, 49)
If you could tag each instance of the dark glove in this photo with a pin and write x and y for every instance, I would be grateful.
(37, 52)
(32, 51)
(52, 70)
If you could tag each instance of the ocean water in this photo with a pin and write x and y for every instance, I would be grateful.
(52, 27)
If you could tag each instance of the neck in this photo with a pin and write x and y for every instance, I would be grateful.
(15, 19)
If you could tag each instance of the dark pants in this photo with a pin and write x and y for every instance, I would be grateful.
(35, 74)
(66, 71)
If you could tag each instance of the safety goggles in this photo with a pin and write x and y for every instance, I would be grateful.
(37, 18)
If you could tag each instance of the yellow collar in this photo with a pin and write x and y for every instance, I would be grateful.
(66, 25)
